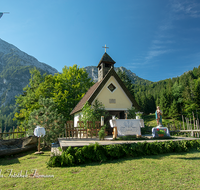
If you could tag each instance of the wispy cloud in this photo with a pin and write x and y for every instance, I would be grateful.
(159, 46)
(155, 53)
(186, 8)
(179, 9)
(163, 40)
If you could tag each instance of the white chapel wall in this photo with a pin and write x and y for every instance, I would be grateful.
(116, 100)
(76, 118)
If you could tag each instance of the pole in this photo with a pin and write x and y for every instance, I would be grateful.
(102, 120)
(39, 144)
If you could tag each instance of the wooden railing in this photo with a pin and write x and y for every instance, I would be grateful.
(188, 125)
(194, 131)
(12, 135)
(81, 131)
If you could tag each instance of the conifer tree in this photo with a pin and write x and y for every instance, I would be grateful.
(28, 101)
(173, 111)
(47, 116)
(126, 80)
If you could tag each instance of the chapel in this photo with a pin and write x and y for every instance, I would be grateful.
(110, 90)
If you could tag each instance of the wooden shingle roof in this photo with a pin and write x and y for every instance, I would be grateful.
(92, 93)
(85, 98)
(106, 59)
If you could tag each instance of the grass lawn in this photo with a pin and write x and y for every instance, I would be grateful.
(166, 171)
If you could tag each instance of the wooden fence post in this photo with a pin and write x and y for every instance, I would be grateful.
(187, 123)
(197, 128)
(5, 132)
(13, 132)
(183, 122)
(21, 133)
(174, 126)
(193, 119)
(65, 131)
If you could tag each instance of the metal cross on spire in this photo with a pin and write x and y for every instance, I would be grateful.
(105, 47)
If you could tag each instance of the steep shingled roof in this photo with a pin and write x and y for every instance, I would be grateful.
(85, 98)
(96, 88)
(106, 59)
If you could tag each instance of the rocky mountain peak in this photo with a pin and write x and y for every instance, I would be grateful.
(93, 74)
(9, 50)
(14, 71)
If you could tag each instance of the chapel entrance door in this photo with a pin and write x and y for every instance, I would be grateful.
(118, 114)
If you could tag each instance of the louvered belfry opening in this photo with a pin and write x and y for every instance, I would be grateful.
(105, 64)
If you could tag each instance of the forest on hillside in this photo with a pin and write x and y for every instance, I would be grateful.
(177, 96)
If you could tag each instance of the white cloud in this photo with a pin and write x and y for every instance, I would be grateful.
(186, 8)
(155, 53)
(157, 41)
(179, 9)
(163, 39)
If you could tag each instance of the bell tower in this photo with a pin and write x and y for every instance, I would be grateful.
(105, 64)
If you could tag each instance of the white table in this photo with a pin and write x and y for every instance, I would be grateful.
(127, 126)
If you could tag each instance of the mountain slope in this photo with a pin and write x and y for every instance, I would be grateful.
(93, 74)
(14, 71)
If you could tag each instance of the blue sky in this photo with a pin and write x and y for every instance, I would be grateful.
(154, 39)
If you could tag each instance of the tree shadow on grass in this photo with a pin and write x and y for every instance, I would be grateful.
(14, 159)
(190, 158)
(9, 160)
(124, 159)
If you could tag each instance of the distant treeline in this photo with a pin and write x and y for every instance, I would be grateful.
(177, 96)
(6, 117)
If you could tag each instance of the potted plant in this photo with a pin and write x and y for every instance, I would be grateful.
(138, 115)
(161, 132)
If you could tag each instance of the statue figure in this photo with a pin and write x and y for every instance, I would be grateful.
(158, 114)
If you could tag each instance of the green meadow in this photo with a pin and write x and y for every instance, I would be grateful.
(164, 171)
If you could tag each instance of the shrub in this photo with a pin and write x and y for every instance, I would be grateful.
(102, 133)
(54, 161)
(114, 151)
(96, 152)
